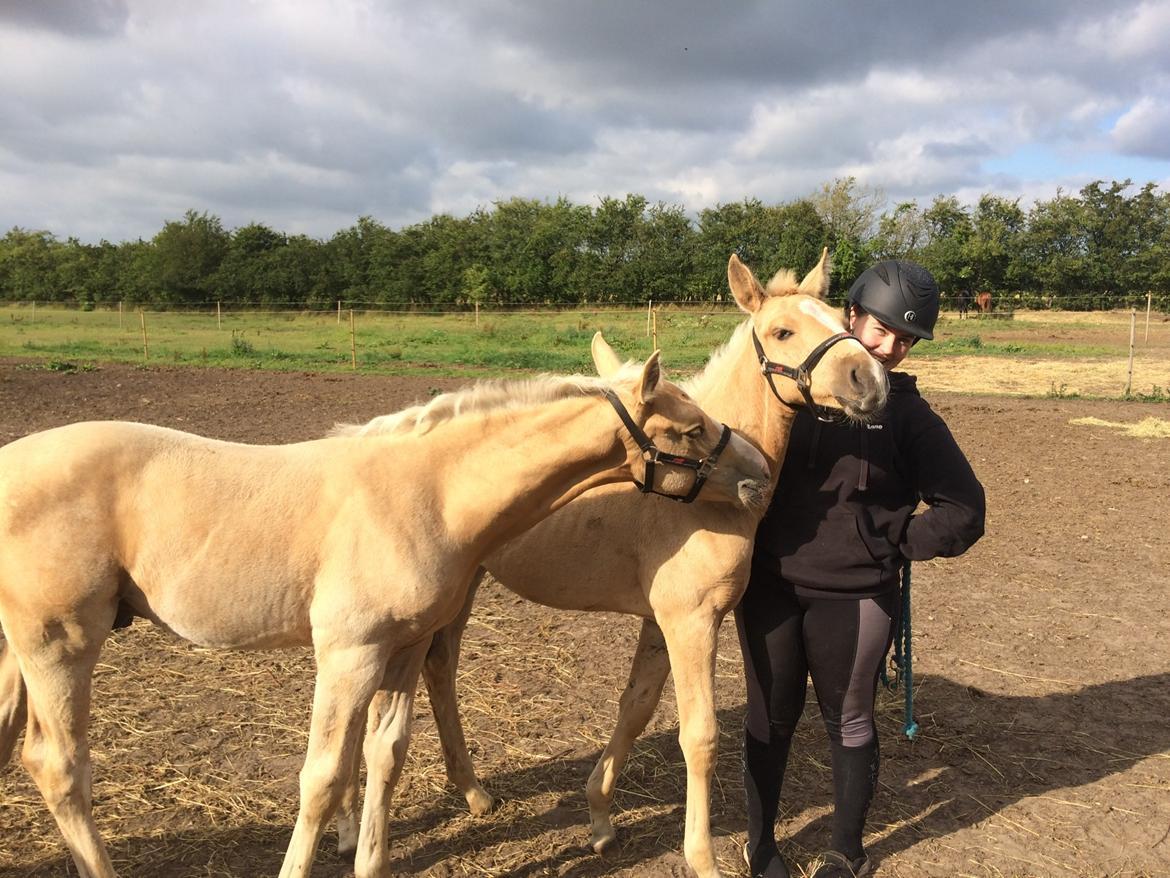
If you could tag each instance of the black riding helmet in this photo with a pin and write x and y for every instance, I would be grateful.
(901, 294)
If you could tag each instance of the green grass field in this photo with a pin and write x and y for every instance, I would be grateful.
(397, 343)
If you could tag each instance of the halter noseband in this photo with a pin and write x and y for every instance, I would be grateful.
(802, 374)
(652, 455)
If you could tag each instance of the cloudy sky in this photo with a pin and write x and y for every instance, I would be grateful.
(118, 115)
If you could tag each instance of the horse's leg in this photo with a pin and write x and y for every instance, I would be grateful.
(648, 673)
(58, 661)
(439, 671)
(691, 638)
(13, 703)
(387, 739)
(346, 679)
(347, 810)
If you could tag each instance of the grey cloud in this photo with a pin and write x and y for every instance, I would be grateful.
(74, 18)
(410, 108)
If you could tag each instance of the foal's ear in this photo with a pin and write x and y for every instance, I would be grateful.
(816, 282)
(749, 295)
(605, 359)
(651, 375)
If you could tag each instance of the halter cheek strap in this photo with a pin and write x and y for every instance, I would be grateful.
(653, 455)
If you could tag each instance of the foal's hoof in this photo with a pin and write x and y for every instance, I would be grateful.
(479, 802)
(603, 841)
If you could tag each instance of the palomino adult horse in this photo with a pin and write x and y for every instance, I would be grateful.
(680, 568)
(360, 545)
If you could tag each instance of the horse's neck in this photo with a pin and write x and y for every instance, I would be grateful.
(495, 474)
(739, 395)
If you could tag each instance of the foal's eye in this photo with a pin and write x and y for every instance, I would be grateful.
(782, 334)
(695, 432)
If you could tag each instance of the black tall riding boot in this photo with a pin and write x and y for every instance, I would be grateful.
(763, 776)
(855, 773)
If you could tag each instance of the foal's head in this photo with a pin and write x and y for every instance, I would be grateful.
(676, 425)
(790, 320)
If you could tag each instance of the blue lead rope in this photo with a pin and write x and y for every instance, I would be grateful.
(902, 661)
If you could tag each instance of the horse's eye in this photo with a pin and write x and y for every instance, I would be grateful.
(695, 432)
(782, 334)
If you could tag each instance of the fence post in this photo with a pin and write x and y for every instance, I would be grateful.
(145, 343)
(352, 342)
(1149, 302)
(1132, 327)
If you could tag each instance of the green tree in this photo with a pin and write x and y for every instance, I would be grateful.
(666, 252)
(993, 249)
(799, 234)
(28, 266)
(948, 230)
(249, 273)
(1055, 246)
(738, 227)
(901, 232)
(186, 257)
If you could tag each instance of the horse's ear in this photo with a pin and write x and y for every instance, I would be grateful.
(816, 282)
(651, 375)
(749, 295)
(605, 359)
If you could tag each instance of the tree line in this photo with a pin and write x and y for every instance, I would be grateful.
(1107, 246)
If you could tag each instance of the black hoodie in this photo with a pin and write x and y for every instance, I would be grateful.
(842, 521)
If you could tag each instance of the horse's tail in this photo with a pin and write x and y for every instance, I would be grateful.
(13, 701)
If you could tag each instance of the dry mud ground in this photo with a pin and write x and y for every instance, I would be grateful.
(1042, 670)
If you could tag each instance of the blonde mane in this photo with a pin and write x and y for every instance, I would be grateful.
(721, 358)
(485, 396)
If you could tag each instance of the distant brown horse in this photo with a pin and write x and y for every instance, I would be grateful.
(360, 545)
(983, 302)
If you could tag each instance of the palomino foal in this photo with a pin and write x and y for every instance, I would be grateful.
(361, 545)
(681, 568)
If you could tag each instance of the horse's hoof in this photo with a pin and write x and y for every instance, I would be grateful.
(603, 841)
(479, 802)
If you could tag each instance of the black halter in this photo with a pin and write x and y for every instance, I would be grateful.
(702, 467)
(802, 374)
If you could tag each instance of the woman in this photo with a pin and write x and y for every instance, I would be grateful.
(823, 597)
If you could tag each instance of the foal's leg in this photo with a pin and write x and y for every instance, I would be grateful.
(58, 657)
(387, 739)
(346, 679)
(347, 810)
(439, 671)
(13, 702)
(691, 638)
(648, 673)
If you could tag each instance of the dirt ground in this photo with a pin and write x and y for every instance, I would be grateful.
(1042, 672)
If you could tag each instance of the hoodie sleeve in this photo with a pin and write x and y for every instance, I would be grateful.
(944, 480)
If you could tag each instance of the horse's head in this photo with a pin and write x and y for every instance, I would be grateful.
(801, 342)
(688, 449)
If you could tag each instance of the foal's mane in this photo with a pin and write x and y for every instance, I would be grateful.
(486, 396)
